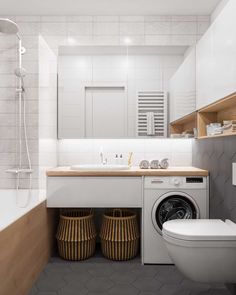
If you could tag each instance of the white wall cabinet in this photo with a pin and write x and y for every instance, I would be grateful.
(183, 88)
(95, 192)
(216, 58)
(98, 88)
(105, 112)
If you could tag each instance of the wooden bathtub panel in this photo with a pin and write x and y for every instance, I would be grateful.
(25, 248)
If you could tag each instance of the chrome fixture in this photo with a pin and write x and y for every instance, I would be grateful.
(9, 27)
(103, 160)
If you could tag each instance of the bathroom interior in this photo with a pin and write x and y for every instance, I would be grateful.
(118, 147)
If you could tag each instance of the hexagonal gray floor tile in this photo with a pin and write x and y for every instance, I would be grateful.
(219, 292)
(101, 270)
(169, 276)
(57, 269)
(124, 289)
(99, 284)
(195, 286)
(81, 277)
(123, 266)
(145, 270)
(123, 277)
(80, 267)
(50, 283)
(173, 289)
(73, 288)
(111, 278)
(147, 284)
(211, 292)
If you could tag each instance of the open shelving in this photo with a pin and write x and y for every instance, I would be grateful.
(223, 109)
(188, 122)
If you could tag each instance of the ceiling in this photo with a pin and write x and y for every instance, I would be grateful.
(107, 7)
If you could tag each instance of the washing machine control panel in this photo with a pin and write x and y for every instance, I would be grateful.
(175, 182)
(194, 179)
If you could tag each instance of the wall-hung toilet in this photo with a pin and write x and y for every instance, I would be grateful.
(204, 250)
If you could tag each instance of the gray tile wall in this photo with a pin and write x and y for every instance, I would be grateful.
(217, 156)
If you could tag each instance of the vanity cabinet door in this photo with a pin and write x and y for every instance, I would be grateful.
(183, 88)
(96, 192)
(216, 58)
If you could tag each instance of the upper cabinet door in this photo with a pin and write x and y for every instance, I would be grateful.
(183, 88)
(216, 58)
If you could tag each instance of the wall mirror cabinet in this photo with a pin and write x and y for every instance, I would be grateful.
(115, 91)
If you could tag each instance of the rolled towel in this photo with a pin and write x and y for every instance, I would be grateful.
(144, 164)
(154, 164)
(150, 124)
(164, 163)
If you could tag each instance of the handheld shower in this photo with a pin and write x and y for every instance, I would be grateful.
(20, 72)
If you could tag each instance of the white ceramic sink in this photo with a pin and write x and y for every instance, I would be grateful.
(99, 167)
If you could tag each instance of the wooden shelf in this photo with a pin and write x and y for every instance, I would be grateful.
(215, 136)
(185, 123)
(224, 103)
(224, 109)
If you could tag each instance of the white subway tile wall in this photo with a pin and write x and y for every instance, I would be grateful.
(41, 116)
(47, 121)
(103, 30)
(86, 151)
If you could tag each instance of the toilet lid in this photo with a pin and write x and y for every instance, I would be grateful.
(200, 229)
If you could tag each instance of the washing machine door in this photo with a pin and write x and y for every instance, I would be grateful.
(174, 205)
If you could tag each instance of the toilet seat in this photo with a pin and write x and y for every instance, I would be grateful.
(200, 230)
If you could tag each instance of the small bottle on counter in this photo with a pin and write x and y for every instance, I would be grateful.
(121, 162)
(116, 159)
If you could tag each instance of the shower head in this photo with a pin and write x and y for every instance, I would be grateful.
(20, 72)
(9, 27)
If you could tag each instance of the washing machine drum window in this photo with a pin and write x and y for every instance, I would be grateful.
(174, 207)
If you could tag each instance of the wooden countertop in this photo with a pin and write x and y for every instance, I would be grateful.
(134, 171)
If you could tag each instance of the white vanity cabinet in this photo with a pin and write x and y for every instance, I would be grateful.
(183, 88)
(216, 58)
(96, 192)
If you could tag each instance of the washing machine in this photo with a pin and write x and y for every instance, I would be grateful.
(167, 198)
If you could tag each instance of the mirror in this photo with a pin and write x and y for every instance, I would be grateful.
(115, 91)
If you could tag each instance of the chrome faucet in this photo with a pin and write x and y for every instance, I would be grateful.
(103, 160)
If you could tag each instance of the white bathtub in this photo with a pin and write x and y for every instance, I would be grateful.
(15, 204)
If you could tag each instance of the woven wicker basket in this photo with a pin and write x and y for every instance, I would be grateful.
(76, 234)
(119, 235)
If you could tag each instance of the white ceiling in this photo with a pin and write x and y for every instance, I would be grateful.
(107, 7)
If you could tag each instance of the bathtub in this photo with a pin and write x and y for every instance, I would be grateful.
(27, 239)
(16, 204)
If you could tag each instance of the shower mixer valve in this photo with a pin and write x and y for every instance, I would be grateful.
(19, 170)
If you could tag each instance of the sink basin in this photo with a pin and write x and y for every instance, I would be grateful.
(99, 167)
